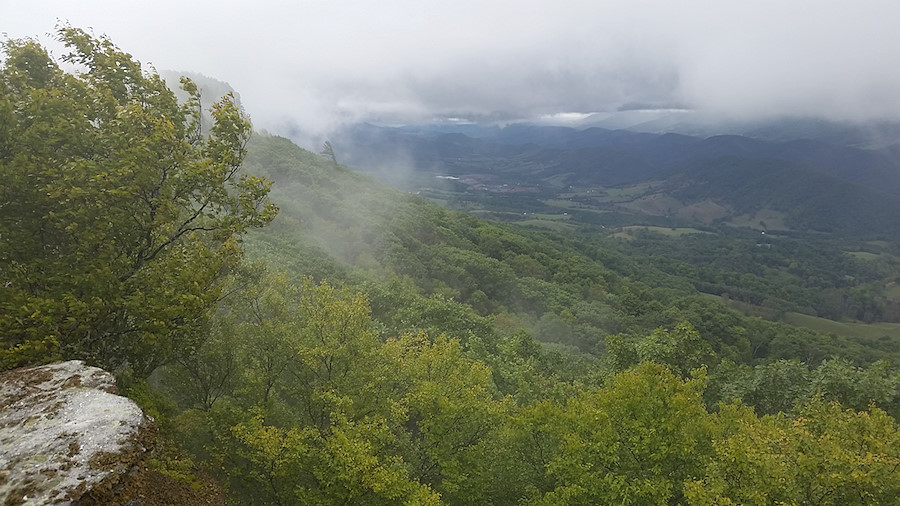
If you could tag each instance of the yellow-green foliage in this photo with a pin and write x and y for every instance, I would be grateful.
(323, 412)
(633, 442)
(824, 455)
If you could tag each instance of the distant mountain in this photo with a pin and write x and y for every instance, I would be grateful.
(596, 155)
(815, 185)
(211, 90)
(809, 199)
(872, 134)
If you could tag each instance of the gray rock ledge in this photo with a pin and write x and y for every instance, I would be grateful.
(67, 438)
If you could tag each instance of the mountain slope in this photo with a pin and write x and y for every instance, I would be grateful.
(810, 199)
(426, 267)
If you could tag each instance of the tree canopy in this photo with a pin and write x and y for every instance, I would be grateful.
(118, 214)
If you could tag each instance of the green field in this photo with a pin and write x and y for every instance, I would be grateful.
(657, 204)
(628, 191)
(555, 225)
(863, 255)
(764, 219)
(549, 217)
(867, 331)
(563, 203)
(706, 211)
(558, 180)
(745, 308)
(858, 330)
(671, 232)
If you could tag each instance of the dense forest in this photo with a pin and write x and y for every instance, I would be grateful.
(307, 334)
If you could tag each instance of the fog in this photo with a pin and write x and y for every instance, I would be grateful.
(309, 66)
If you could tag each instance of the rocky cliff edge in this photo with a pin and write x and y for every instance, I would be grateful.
(67, 438)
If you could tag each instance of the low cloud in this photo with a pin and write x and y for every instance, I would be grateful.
(312, 66)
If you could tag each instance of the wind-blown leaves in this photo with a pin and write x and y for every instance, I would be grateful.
(117, 216)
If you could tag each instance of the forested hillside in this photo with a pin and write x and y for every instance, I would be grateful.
(581, 287)
(367, 346)
(427, 271)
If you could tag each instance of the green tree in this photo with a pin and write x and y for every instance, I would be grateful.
(343, 465)
(826, 455)
(328, 153)
(680, 349)
(634, 442)
(118, 215)
(251, 343)
(449, 421)
(335, 353)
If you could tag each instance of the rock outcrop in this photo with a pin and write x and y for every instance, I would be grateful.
(66, 437)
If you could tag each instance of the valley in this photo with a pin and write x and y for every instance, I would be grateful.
(711, 191)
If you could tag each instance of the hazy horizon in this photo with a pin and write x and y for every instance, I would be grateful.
(314, 65)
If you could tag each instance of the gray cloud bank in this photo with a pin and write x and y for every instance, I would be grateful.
(316, 64)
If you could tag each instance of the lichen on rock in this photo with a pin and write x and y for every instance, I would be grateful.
(66, 437)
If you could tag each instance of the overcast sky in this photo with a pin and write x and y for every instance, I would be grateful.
(318, 63)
